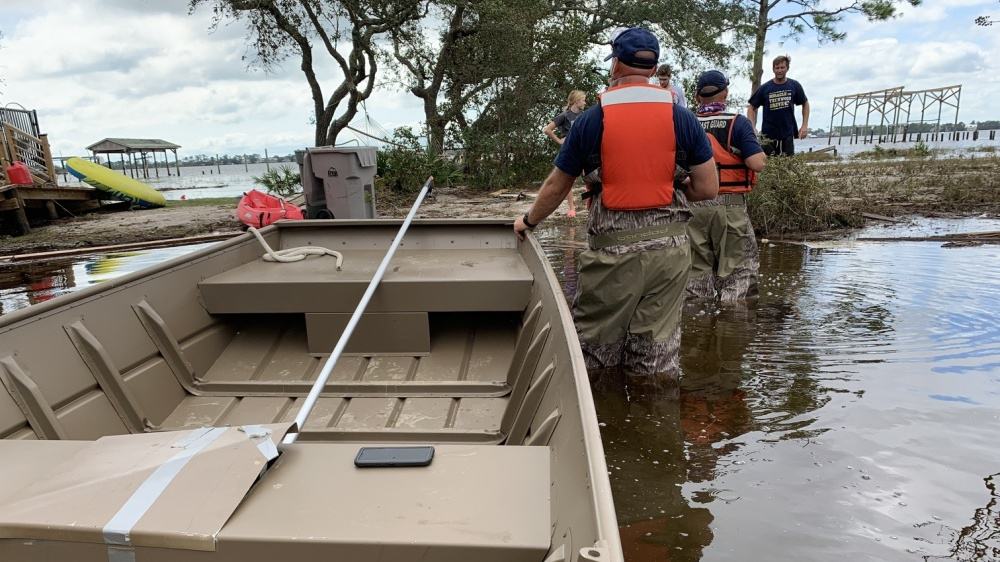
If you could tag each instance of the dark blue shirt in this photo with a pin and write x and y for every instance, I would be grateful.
(581, 151)
(744, 138)
(779, 101)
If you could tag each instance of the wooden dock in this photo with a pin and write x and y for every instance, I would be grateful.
(17, 202)
(21, 141)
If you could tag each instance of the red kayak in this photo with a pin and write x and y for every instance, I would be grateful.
(258, 209)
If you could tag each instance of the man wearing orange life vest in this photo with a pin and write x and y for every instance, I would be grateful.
(723, 247)
(631, 280)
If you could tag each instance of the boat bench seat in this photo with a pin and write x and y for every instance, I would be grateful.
(473, 502)
(468, 504)
(416, 281)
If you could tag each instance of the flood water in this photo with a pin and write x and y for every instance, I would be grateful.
(35, 282)
(851, 413)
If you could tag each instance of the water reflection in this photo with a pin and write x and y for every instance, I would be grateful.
(24, 284)
(849, 412)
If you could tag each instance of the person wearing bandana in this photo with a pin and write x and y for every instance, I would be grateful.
(724, 257)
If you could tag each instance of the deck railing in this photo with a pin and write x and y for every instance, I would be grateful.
(34, 151)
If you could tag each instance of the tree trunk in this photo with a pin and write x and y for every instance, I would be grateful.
(758, 47)
(435, 123)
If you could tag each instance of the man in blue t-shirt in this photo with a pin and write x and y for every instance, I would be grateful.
(779, 98)
(631, 280)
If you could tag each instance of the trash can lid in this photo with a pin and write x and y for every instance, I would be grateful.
(366, 154)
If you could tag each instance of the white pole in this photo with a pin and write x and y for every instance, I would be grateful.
(324, 374)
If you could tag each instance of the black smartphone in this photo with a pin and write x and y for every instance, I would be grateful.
(373, 457)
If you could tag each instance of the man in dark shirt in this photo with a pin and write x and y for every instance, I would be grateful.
(630, 285)
(779, 98)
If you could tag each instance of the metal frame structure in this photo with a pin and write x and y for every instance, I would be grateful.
(893, 107)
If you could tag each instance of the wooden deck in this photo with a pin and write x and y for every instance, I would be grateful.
(17, 202)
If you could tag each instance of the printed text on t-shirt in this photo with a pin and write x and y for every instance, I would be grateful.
(779, 100)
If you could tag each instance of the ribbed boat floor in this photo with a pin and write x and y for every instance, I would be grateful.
(276, 352)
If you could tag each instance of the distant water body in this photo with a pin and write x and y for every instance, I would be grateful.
(232, 180)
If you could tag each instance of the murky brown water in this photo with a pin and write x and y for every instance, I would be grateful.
(852, 413)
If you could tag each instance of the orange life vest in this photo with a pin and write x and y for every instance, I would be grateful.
(638, 147)
(734, 176)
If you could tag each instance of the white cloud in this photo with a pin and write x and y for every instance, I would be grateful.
(100, 68)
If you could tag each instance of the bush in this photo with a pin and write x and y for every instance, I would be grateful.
(790, 199)
(405, 165)
(282, 181)
(508, 156)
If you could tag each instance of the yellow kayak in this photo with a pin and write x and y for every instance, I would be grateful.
(118, 186)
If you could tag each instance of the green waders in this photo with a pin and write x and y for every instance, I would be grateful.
(724, 255)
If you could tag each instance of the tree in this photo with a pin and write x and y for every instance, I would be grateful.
(348, 31)
(796, 16)
(460, 53)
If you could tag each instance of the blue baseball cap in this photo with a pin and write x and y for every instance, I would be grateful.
(711, 82)
(626, 44)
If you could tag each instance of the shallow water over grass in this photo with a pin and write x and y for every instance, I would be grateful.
(851, 413)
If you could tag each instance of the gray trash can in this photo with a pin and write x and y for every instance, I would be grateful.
(339, 182)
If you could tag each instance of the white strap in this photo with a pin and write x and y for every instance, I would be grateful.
(116, 531)
(636, 94)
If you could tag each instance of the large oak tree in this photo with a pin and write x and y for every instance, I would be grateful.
(346, 31)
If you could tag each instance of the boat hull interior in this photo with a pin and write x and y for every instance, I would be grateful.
(467, 345)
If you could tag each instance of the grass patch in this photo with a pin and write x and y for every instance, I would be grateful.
(825, 156)
(789, 198)
(204, 202)
(879, 152)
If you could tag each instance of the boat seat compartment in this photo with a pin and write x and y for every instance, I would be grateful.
(377, 333)
(466, 505)
(416, 281)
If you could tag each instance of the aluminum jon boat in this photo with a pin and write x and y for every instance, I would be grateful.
(144, 418)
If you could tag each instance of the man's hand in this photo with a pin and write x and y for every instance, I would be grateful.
(554, 189)
(520, 228)
(803, 132)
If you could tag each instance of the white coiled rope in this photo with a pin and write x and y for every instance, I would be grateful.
(295, 254)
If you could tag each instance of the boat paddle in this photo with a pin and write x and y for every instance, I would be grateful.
(324, 374)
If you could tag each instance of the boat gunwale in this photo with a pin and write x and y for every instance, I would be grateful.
(37, 311)
(607, 520)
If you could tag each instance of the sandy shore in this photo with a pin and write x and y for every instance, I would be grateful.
(121, 227)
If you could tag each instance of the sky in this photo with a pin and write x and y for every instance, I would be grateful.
(149, 69)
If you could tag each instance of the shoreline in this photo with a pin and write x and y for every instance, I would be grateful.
(887, 190)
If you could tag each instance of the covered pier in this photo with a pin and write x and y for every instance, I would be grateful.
(134, 155)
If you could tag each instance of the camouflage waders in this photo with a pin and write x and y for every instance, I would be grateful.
(630, 289)
(724, 255)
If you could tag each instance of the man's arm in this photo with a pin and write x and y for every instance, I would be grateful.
(756, 162)
(752, 115)
(745, 140)
(704, 181)
(550, 196)
(804, 129)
